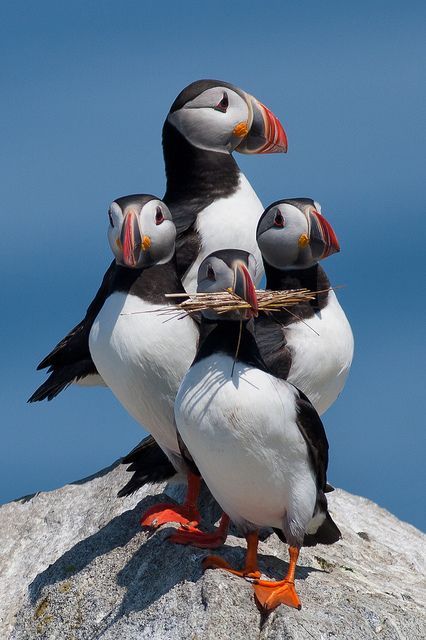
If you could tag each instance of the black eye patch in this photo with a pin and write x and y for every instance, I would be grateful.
(223, 104)
(279, 220)
(210, 273)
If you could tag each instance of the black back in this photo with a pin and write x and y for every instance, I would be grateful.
(195, 179)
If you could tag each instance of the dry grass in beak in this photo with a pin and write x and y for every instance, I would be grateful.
(224, 301)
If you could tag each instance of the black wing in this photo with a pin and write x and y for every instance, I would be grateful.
(188, 243)
(70, 360)
(149, 463)
(312, 429)
(188, 246)
(272, 344)
(62, 376)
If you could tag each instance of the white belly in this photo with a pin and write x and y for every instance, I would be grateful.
(321, 363)
(92, 380)
(245, 442)
(143, 357)
(228, 223)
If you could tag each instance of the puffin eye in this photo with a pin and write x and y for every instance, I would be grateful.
(110, 218)
(210, 273)
(223, 104)
(279, 219)
(159, 217)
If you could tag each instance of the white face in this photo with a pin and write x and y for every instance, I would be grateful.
(283, 237)
(143, 234)
(216, 274)
(216, 120)
(227, 269)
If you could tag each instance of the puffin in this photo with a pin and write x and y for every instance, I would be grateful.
(141, 351)
(212, 203)
(257, 440)
(311, 344)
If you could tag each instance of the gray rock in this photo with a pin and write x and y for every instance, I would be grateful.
(75, 565)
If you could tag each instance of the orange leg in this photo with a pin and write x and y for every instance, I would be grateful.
(188, 534)
(270, 594)
(185, 513)
(250, 570)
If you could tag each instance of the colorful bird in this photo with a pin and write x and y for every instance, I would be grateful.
(142, 354)
(256, 439)
(311, 344)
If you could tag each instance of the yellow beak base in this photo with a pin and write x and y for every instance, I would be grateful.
(241, 130)
(146, 243)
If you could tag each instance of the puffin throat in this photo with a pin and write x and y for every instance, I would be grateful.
(196, 175)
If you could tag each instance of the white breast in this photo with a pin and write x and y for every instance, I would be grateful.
(228, 223)
(244, 439)
(143, 356)
(321, 363)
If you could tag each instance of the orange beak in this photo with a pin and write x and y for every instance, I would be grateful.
(131, 240)
(265, 132)
(322, 237)
(245, 289)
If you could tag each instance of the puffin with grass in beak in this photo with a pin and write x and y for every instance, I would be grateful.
(255, 438)
(309, 344)
(212, 203)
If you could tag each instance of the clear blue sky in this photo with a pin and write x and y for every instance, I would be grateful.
(85, 88)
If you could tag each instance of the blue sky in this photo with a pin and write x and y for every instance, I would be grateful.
(85, 89)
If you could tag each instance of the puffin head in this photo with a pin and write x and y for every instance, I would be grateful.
(229, 269)
(141, 231)
(216, 116)
(294, 234)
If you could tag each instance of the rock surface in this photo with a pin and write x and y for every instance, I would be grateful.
(75, 565)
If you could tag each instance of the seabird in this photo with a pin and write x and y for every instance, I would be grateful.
(311, 344)
(141, 352)
(256, 439)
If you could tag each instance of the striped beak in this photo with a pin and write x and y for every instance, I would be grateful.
(131, 240)
(322, 239)
(265, 132)
(245, 289)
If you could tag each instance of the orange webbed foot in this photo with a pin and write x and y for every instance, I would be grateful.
(196, 538)
(270, 594)
(164, 513)
(215, 562)
(192, 535)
